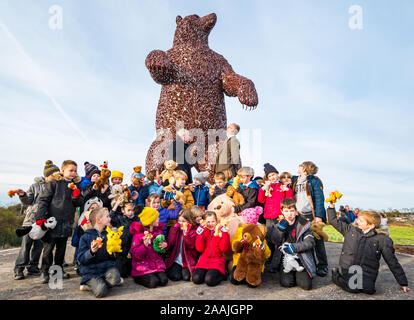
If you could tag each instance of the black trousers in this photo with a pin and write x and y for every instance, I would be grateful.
(211, 277)
(123, 264)
(319, 249)
(293, 278)
(48, 245)
(99, 286)
(341, 279)
(177, 272)
(152, 280)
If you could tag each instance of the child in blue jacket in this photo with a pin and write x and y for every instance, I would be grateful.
(200, 191)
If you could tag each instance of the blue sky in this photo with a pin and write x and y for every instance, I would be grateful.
(339, 97)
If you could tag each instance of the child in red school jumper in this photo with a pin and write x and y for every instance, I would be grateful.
(211, 265)
(181, 253)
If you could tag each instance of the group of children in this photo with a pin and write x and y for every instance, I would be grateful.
(168, 233)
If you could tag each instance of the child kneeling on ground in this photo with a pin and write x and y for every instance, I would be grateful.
(296, 242)
(148, 268)
(97, 266)
(364, 244)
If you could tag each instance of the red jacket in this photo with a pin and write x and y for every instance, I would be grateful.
(272, 204)
(189, 255)
(212, 249)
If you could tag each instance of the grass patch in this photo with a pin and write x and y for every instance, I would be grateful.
(399, 235)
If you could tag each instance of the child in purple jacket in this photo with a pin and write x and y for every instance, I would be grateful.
(182, 255)
(148, 268)
(154, 201)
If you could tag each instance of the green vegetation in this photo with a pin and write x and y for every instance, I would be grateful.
(10, 220)
(399, 234)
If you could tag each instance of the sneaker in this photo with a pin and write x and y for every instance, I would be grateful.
(322, 272)
(44, 277)
(84, 287)
(18, 275)
(121, 282)
(33, 271)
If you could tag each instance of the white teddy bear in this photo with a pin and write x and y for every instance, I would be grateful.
(290, 262)
(37, 232)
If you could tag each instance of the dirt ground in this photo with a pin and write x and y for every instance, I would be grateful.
(323, 288)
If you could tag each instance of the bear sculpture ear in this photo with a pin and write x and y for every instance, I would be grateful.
(209, 21)
(178, 19)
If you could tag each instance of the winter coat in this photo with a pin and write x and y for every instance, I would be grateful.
(31, 198)
(218, 191)
(117, 221)
(143, 193)
(201, 195)
(228, 156)
(154, 188)
(85, 181)
(89, 193)
(304, 244)
(166, 215)
(272, 204)
(57, 201)
(350, 216)
(250, 194)
(144, 259)
(187, 196)
(314, 191)
(189, 254)
(366, 250)
(212, 249)
(94, 265)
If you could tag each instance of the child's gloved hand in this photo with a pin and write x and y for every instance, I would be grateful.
(282, 225)
(288, 248)
(76, 193)
(200, 229)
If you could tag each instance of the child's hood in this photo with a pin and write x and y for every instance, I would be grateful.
(40, 180)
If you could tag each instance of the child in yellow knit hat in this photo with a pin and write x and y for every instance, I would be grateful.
(117, 177)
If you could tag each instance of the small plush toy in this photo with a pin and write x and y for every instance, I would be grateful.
(290, 263)
(156, 243)
(268, 189)
(103, 179)
(235, 196)
(103, 165)
(99, 241)
(236, 182)
(114, 240)
(37, 230)
(12, 193)
(168, 172)
(147, 236)
(220, 228)
(316, 228)
(116, 192)
(252, 255)
(334, 196)
(72, 186)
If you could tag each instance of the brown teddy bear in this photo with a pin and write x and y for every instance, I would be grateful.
(252, 254)
(316, 228)
(235, 196)
(103, 179)
(168, 172)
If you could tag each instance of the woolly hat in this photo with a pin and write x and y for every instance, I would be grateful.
(91, 201)
(50, 168)
(202, 176)
(91, 169)
(117, 174)
(251, 215)
(268, 168)
(148, 216)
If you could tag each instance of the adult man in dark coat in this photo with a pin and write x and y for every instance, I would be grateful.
(178, 153)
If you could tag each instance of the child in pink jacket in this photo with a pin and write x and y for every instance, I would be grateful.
(271, 194)
(148, 268)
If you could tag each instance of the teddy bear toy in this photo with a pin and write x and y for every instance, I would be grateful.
(290, 262)
(156, 243)
(334, 196)
(252, 255)
(37, 231)
(116, 192)
(268, 189)
(103, 179)
(114, 241)
(236, 182)
(168, 173)
(317, 230)
(235, 196)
